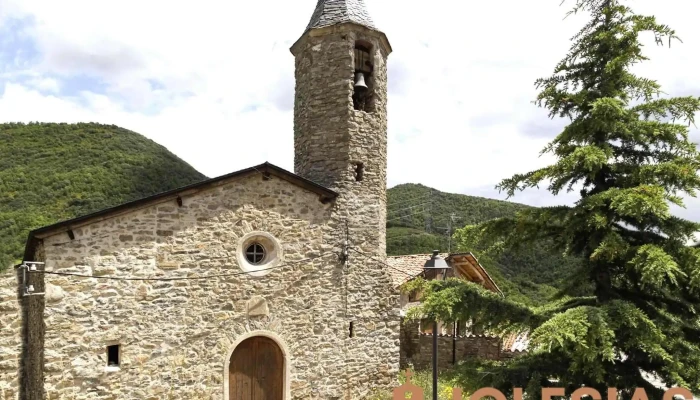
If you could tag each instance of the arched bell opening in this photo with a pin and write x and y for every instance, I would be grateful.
(363, 90)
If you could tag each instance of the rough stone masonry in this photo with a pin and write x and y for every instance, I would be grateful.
(175, 336)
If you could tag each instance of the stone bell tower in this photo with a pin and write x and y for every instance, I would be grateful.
(340, 142)
(340, 114)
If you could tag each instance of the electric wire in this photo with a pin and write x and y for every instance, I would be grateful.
(414, 213)
(184, 278)
(407, 235)
(406, 216)
(381, 262)
(406, 201)
(411, 207)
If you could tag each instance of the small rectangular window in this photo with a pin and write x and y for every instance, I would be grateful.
(359, 172)
(352, 325)
(113, 355)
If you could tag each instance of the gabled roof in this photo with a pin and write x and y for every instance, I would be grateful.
(469, 266)
(266, 170)
(331, 12)
(407, 267)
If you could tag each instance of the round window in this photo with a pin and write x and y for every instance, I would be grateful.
(258, 253)
(255, 253)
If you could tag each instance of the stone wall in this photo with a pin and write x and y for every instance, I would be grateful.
(175, 336)
(10, 335)
(417, 348)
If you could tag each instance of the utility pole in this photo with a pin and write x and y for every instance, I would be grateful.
(429, 216)
(453, 218)
(448, 230)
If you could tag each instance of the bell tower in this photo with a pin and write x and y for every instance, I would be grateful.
(340, 114)
(340, 142)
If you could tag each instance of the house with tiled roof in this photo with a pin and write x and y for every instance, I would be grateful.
(405, 268)
(456, 341)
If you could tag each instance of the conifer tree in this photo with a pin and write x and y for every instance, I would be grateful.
(632, 307)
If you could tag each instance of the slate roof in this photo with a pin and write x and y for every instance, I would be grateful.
(331, 12)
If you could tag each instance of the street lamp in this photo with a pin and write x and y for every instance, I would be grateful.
(435, 268)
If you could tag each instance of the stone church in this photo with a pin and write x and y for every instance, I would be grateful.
(260, 284)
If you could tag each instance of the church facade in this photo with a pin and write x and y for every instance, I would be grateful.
(262, 283)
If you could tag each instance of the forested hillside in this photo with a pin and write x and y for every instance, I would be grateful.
(421, 219)
(51, 172)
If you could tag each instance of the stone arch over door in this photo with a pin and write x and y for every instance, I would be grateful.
(257, 368)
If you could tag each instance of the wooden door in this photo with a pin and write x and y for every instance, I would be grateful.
(256, 370)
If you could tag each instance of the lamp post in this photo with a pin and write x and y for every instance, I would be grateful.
(437, 266)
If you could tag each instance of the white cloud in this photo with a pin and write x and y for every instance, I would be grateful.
(214, 82)
(20, 104)
(45, 84)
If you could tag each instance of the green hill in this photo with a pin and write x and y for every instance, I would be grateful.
(419, 219)
(51, 172)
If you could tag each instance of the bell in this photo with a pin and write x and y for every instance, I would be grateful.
(360, 82)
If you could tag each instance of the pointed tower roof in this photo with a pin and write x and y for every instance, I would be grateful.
(331, 12)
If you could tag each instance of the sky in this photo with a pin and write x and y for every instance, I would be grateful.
(213, 81)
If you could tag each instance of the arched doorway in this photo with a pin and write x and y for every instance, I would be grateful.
(256, 370)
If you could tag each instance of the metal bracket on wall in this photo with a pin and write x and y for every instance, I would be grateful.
(28, 268)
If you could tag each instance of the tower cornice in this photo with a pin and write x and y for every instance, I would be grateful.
(342, 28)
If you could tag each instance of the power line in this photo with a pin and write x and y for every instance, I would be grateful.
(404, 216)
(448, 229)
(405, 201)
(429, 217)
(407, 215)
(181, 278)
(408, 200)
(408, 208)
(382, 262)
(407, 235)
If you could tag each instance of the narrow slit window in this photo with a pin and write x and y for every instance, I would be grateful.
(359, 172)
(113, 355)
(352, 331)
